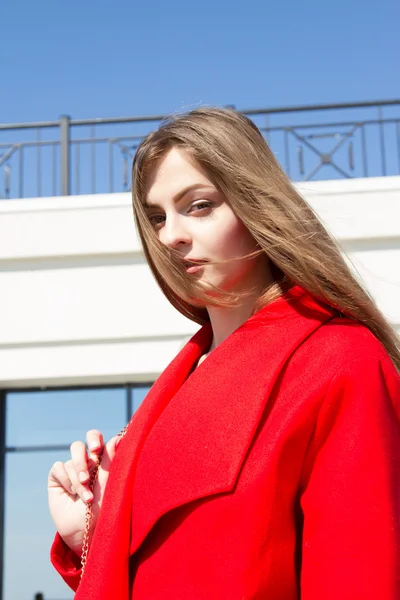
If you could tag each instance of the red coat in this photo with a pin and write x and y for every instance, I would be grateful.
(270, 472)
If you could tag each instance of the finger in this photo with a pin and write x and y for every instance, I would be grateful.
(108, 455)
(58, 477)
(110, 449)
(81, 490)
(95, 442)
(80, 460)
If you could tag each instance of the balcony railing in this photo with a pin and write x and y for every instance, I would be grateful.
(88, 156)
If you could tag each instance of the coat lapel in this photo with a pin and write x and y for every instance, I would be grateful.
(198, 444)
(107, 569)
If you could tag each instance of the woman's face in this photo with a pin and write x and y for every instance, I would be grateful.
(192, 217)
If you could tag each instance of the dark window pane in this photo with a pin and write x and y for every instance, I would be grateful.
(61, 417)
(29, 530)
(138, 395)
(40, 418)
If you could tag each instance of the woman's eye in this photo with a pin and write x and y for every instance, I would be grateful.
(204, 204)
(156, 220)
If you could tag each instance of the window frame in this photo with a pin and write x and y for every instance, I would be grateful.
(4, 449)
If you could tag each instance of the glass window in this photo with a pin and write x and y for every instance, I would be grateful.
(29, 530)
(138, 395)
(38, 419)
(62, 416)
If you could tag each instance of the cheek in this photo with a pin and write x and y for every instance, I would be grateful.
(235, 240)
(231, 241)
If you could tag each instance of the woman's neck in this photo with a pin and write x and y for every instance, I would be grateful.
(225, 321)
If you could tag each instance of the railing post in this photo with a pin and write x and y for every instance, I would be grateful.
(7, 177)
(65, 155)
(382, 140)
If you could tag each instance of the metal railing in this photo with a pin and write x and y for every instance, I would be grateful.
(75, 156)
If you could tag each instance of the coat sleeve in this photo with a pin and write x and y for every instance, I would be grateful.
(351, 487)
(66, 562)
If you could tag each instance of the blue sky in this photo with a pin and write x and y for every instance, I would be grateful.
(97, 59)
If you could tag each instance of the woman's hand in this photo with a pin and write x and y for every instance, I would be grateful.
(68, 487)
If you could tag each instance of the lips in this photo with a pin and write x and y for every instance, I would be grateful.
(193, 265)
(190, 262)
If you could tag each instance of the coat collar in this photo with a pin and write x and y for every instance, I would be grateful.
(191, 435)
(199, 442)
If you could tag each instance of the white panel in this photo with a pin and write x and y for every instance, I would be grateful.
(380, 272)
(117, 302)
(62, 229)
(103, 223)
(86, 364)
(373, 214)
(78, 304)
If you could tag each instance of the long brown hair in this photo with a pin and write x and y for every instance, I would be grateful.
(239, 162)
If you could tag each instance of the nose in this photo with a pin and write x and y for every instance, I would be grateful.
(174, 233)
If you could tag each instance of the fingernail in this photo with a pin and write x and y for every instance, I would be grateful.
(94, 447)
(87, 496)
(73, 491)
(83, 476)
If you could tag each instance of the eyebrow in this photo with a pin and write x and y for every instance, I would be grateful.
(179, 195)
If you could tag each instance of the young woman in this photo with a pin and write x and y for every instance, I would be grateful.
(265, 460)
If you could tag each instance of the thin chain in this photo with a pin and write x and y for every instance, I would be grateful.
(88, 519)
(88, 513)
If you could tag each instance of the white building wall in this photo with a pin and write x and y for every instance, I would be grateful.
(78, 304)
